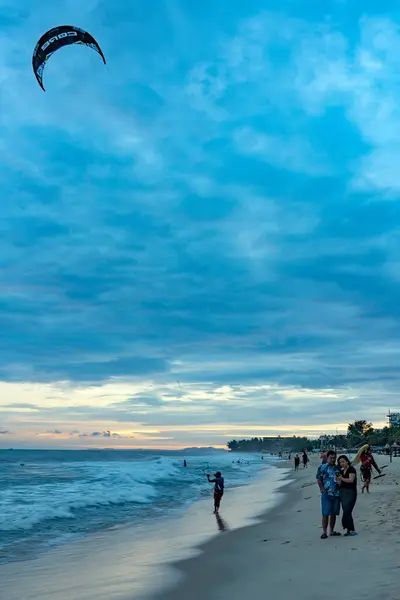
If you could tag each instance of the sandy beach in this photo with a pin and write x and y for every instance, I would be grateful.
(283, 557)
(197, 557)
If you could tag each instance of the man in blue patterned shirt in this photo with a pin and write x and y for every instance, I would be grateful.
(327, 476)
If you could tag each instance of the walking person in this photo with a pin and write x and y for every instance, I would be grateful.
(367, 462)
(327, 479)
(296, 462)
(347, 481)
(305, 459)
(364, 455)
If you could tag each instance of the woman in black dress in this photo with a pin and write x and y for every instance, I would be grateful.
(347, 481)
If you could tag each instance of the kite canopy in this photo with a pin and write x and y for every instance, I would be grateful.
(57, 38)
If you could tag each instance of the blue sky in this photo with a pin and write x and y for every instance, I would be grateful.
(218, 207)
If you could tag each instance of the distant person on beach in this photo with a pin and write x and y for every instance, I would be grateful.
(367, 462)
(324, 457)
(347, 481)
(327, 479)
(296, 462)
(218, 482)
(305, 460)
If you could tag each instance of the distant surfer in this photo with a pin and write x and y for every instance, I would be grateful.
(364, 455)
(184, 463)
(218, 482)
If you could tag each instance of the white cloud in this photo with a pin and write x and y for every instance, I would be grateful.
(290, 153)
(364, 79)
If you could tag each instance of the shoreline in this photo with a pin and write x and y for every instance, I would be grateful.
(284, 556)
(87, 497)
(136, 562)
(191, 570)
(272, 545)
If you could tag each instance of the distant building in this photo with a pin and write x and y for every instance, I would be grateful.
(394, 419)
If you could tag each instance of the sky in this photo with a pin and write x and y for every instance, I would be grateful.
(200, 240)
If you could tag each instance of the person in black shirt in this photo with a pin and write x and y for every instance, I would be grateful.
(219, 486)
(305, 459)
(347, 481)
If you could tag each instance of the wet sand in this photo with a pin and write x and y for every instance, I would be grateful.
(283, 557)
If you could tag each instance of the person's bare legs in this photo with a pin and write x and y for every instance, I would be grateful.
(217, 504)
(332, 524)
(325, 521)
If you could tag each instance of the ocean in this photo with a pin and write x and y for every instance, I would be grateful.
(49, 498)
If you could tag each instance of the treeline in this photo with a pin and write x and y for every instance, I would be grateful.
(358, 433)
(361, 432)
(277, 444)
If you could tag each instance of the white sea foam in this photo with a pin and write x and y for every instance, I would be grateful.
(96, 484)
(48, 492)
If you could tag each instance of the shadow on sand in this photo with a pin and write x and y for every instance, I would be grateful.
(222, 525)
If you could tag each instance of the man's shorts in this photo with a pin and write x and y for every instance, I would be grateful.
(330, 505)
(217, 499)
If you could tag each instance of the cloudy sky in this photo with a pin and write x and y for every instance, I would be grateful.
(200, 240)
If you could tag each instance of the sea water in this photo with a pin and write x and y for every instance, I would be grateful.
(50, 497)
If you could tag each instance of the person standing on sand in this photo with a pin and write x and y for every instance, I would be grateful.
(296, 462)
(347, 481)
(305, 459)
(327, 476)
(218, 482)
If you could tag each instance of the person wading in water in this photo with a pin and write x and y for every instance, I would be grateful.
(218, 482)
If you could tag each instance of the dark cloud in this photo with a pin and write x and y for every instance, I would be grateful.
(211, 229)
(95, 434)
